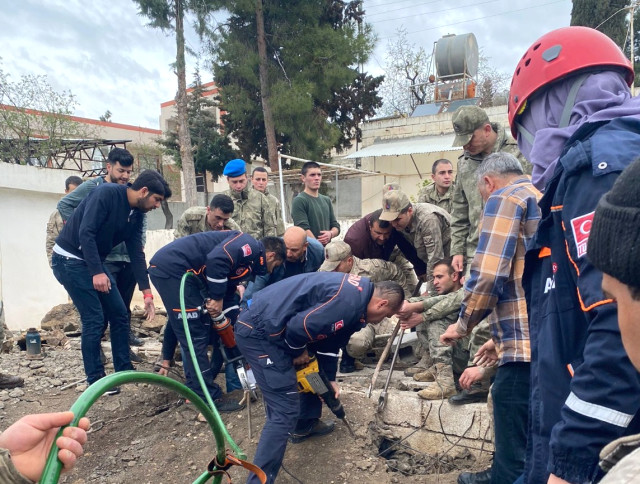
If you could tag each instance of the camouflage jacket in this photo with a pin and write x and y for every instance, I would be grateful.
(430, 233)
(622, 457)
(8, 472)
(437, 308)
(429, 194)
(252, 212)
(467, 204)
(276, 210)
(54, 226)
(380, 270)
(194, 221)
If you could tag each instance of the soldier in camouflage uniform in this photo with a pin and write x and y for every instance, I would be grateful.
(217, 216)
(252, 210)
(55, 223)
(440, 191)
(259, 180)
(339, 258)
(424, 225)
(479, 138)
(432, 316)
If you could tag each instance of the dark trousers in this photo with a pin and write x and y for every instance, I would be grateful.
(510, 392)
(276, 377)
(170, 341)
(122, 273)
(199, 327)
(92, 305)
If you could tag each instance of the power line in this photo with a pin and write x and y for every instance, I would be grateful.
(403, 8)
(389, 3)
(477, 18)
(475, 4)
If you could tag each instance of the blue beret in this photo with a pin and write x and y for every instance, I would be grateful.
(235, 167)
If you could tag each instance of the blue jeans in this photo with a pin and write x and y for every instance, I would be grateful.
(510, 392)
(93, 307)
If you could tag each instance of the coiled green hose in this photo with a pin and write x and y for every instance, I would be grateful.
(53, 467)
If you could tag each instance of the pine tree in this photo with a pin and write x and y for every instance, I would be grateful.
(168, 15)
(210, 149)
(315, 92)
(607, 16)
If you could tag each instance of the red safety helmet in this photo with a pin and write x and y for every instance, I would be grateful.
(558, 54)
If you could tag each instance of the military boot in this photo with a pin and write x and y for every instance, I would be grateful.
(421, 366)
(442, 387)
(427, 375)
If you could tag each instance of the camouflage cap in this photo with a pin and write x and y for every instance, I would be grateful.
(394, 201)
(334, 253)
(465, 121)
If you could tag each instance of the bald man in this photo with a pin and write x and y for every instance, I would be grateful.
(304, 254)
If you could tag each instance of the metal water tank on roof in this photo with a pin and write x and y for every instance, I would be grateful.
(456, 56)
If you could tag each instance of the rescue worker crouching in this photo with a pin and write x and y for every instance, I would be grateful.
(320, 311)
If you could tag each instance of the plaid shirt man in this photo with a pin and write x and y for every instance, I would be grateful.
(494, 289)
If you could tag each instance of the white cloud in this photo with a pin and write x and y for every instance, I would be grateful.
(103, 52)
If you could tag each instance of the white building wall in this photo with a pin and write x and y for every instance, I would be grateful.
(28, 196)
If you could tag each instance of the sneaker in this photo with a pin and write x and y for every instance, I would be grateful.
(113, 391)
(318, 428)
(483, 477)
(227, 405)
(134, 340)
(10, 381)
(465, 397)
(134, 357)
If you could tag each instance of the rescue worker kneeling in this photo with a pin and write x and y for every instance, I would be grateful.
(323, 309)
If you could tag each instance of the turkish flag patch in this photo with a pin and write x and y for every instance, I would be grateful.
(581, 227)
(338, 325)
(246, 250)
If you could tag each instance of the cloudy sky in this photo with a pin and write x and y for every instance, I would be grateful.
(103, 52)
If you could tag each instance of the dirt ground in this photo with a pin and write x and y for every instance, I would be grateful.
(149, 435)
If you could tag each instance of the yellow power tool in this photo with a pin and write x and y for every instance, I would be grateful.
(312, 380)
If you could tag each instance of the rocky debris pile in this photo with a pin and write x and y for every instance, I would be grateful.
(64, 317)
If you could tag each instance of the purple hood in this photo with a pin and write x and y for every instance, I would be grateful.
(603, 96)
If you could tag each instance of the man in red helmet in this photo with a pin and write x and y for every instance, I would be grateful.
(575, 120)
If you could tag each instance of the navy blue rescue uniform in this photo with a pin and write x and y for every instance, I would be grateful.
(220, 260)
(283, 319)
(584, 389)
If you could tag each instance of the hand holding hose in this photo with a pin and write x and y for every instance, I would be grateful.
(30, 438)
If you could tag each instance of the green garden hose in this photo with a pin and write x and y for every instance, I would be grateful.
(53, 467)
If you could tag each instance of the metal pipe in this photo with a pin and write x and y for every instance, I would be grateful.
(282, 200)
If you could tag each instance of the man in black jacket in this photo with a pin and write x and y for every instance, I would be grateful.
(109, 215)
